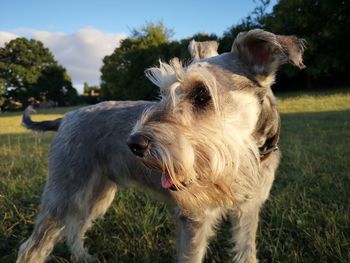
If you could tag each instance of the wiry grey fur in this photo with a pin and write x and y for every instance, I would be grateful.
(214, 133)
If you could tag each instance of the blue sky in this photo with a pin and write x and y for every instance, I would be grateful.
(184, 17)
(81, 33)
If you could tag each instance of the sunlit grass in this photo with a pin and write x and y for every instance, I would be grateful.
(314, 101)
(10, 123)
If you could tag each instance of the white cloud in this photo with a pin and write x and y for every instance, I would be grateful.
(6, 37)
(81, 52)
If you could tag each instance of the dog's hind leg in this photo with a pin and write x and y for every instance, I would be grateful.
(47, 231)
(90, 204)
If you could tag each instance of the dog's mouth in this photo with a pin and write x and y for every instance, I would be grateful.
(168, 183)
(165, 180)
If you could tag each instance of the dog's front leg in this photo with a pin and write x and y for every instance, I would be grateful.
(194, 234)
(245, 225)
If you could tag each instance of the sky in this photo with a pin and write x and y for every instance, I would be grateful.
(80, 33)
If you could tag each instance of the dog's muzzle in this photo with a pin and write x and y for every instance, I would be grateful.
(138, 144)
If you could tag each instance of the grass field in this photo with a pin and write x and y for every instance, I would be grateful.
(306, 219)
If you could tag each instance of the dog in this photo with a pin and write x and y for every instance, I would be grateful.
(210, 146)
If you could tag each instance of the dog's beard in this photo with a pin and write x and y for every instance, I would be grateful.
(194, 180)
(204, 169)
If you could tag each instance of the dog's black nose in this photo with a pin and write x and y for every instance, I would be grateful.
(138, 144)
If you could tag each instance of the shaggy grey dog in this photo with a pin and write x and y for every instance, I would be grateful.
(209, 146)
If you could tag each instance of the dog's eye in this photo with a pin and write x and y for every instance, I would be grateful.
(200, 97)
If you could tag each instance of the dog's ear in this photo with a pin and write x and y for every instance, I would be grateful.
(193, 49)
(263, 52)
(204, 49)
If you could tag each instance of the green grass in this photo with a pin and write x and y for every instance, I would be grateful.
(306, 219)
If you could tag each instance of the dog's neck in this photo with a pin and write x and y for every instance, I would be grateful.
(270, 146)
(267, 132)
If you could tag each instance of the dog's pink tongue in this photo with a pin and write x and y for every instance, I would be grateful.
(167, 182)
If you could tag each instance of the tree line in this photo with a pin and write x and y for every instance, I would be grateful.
(29, 70)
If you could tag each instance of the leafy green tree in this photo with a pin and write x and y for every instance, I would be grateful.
(123, 71)
(55, 85)
(326, 27)
(24, 65)
(2, 92)
(21, 63)
(86, 88)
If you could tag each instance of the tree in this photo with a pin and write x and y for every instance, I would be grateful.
(326, 27)
(54, 84)
(123, 71)
(24, 64)
(2, 92)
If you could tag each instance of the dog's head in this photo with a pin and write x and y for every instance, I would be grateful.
(213, 116)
